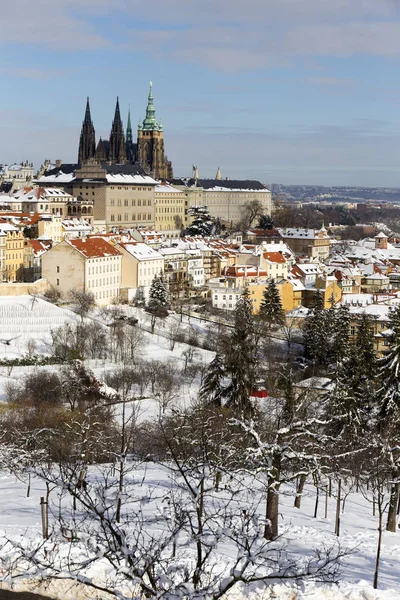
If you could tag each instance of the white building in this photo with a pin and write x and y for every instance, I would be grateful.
(91, 265)
(140, 263)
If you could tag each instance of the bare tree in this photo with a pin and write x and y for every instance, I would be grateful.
(83, 302)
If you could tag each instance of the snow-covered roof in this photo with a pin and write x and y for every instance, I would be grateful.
(130, 179)
(357, 299)
(142, 251)
(167, 189)
(316, 383)
(76, 225)
(221, 188)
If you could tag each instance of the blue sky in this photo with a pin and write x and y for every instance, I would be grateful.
(288, 91)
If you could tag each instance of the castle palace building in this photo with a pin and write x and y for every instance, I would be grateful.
(120, 149)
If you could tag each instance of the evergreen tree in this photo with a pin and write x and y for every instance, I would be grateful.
(203, 223)
(158, 293)
(389, 373)
(157, 305)
(241, 356)
(388, 414)
(338, 323)
(271, 311)
(265, 222)
(315, 335)
(211, 390)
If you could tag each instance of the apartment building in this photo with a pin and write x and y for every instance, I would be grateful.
(87, 264)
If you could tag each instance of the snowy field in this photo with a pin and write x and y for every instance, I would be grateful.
(20, 516)
(27, 318)
(24, 318)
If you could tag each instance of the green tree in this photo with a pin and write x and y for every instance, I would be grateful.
(157, 305)
(211, 390)
(241, 356)
(388, 421)
(316, 341)
(271, 311)
(265, 222)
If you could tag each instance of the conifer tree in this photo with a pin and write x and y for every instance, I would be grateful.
(241, 356)
(338, 323)
(158, 299)
(388, 421)
(316, 339)
(211, 390)
(271, 311)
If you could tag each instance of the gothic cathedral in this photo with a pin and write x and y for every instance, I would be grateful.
(148, 152)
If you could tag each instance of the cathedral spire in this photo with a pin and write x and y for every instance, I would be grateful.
(117, 139)
(150, 122)
(129, 137)
(131, 148)
(87, 141)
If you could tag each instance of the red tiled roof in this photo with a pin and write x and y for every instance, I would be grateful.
(94, 247)
(244, 271)
(276, 257)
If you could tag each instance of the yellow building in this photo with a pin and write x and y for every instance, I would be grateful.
(329, 288)
(169, 209)
(14, 255)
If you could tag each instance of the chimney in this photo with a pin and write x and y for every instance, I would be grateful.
(58, 163)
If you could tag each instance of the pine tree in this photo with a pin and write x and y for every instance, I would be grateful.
(338, 322)
(388, 424)
(241, 356)
(158, 293)
(265, 222)
(271, 311)
(157, 305)
(315, 335)
(389, 372)
(211, 390)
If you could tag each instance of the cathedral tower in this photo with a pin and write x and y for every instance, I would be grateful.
(131, 148)
(87, 141)
(150, 143)
(117, 150)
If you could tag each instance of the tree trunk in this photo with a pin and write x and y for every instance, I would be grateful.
(391, 524)
(378, 550)
(337, 521)
(299, 491)
(316, 502)
(272, 513)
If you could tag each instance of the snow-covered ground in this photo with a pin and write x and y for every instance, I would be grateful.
(24, 318)
(20, 516)
(27, 318)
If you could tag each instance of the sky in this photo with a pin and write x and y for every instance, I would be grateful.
(284, 91)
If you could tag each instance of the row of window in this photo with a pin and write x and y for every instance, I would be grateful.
(134, 218)
(106, 268)
(133, 202)
(93, 283)
(134, 189)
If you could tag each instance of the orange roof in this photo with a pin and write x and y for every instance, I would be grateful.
(244, 271)
(276, 257)
(94, 247)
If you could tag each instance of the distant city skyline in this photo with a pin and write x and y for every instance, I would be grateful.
(285, 92)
